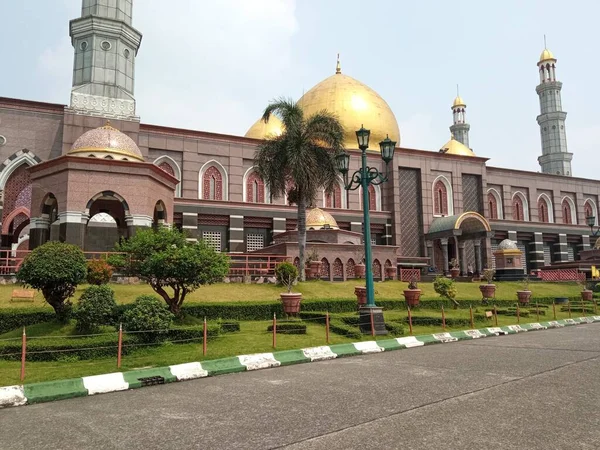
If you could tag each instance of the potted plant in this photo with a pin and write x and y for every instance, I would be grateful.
(390, 272)
(287, 274)
(361, 295)
(587, 295)
(488, 290)
(454, 268)
(313, 264)
(524, 295)
(412, 294)
(359, 267)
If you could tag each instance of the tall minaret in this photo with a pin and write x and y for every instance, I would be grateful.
(555, 158)
(105, 49)
(460, 128)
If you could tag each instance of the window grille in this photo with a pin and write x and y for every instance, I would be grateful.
(254, 242)
(212, 239)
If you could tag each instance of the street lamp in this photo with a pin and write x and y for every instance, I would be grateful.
(591, 221)
(364, 177)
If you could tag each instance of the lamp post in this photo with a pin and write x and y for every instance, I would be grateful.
(591, 221)
(364, 177)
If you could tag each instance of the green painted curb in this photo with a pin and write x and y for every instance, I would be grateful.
(48, 391)
(223, 365)
(135, 377)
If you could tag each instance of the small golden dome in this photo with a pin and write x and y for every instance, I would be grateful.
(547, 56)
(356, 105)
(453, 147)
(317, 219)
(261, 130)
(597, 244)
(106, 142)
(458, 101)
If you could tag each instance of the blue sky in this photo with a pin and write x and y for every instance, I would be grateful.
(214, 65)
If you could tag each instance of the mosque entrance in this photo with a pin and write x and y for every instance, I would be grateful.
(107, 224)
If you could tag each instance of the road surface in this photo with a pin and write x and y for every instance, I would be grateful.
(531, 390)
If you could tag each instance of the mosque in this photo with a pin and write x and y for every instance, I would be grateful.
(91, 172)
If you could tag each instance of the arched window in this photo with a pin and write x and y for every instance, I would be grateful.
(213, 182)
(591, 210)
(169, 165)
(492, 206)
(542, 210)
(442, 199)
(167, 168)
(372, 198)
(334, 200)
(520, 207)
(255, 188)
(568, 211)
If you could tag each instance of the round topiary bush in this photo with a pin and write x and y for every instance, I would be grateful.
(150, 315)
(97, 306)
(98, 272)
(56, 269)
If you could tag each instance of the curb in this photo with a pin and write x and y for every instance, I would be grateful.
(19, 395)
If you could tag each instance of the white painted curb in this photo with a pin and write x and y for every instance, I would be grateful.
(101, 384)
(188, 371)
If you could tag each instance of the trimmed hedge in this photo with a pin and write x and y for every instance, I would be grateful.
(336, 325)
(12, 318)
(289, 328)
(395, 329)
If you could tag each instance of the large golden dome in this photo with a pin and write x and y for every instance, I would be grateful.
(355, 104)
(317, 219)
(261, 130)
(454, 147)
(108, 143)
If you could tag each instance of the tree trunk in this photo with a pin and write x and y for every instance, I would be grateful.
(301, 235)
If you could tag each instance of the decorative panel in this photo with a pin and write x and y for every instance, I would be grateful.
(411, 212)
(471, 185)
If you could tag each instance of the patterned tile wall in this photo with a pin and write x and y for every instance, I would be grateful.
(411, 212)
(471, 185)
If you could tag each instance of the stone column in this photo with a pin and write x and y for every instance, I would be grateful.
(478, 264)
(430, 252)
(387, 237)
(72, 227)
(560, 248)
(536, 252)
(585, 243)
(236, 234)
(39, 231)
(190, 225)
(137, 221)
(462, 260)
(444, 242)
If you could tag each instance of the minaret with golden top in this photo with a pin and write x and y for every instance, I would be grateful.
(460, 128)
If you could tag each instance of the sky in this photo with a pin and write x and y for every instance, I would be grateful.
(213, 65)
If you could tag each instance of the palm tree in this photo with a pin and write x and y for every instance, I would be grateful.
(303, 156)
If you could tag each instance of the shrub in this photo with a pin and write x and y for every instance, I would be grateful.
(295, 327)
(97, 306)
(445, 288)
(56, 269)
(229, 327)
(98, 272)
(150, 317)
(286, 274)
(395, 329)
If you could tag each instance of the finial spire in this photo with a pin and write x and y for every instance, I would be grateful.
(545, 46)
(338, 68)
(457, 93)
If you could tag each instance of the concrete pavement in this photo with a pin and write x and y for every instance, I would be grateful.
(530, 390)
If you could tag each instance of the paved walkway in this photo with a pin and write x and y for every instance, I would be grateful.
(531, 390)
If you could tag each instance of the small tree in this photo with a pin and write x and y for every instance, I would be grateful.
(286, 274)
(99, 272)
(171, 265)
(150, 315)
(445, 288)
(97, 306)
(56, 269)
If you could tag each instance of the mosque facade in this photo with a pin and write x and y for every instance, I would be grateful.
(67, 174)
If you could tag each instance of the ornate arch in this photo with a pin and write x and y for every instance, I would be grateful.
(107, 194)
(338, 269)
(204, 182)
(569, 212)
(520, 207)
(495, 204)
(590, 208)
(337, 199)
(254, 186)
(442, 197)
(175, 170)
(545, 210)
(14, 161)
(374, 198)
(7, 221)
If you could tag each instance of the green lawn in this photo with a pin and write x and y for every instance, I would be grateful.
(222, 292)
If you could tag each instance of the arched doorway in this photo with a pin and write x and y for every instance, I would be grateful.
(160, 214)
(107, 222)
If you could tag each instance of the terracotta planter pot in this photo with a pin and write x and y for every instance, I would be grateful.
(454, 273)
(524, 296)
(412, 296)
(587, 296)
(488, 290)
(361, 295)
(390, 273)
(359, 270)
(291, 303)
(315, 269)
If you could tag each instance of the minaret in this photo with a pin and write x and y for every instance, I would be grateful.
(105, 49)
(460, 128)
(555, 158)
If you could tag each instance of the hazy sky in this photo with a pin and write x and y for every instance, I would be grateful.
(213, 65)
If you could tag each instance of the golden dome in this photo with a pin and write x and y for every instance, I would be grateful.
(317, 219)
(106, 142)
(260, 129)
(458, 101)
(453, 147)
(597, 244)
(547, 56)
(356, 105)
